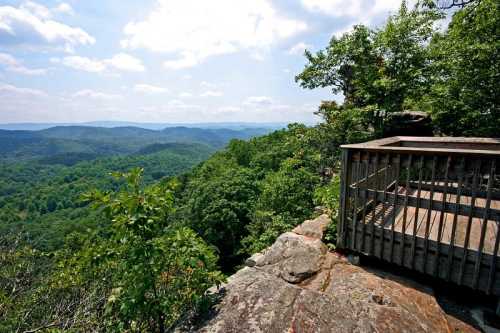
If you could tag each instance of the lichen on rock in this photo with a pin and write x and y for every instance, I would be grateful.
(296, 285)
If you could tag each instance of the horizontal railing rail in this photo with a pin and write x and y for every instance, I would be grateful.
(425, 204)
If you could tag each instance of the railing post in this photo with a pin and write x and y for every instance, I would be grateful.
(344, 185)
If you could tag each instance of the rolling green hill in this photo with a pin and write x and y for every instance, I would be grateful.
(83, 142)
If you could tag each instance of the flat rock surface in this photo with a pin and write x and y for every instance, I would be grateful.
(296, 285)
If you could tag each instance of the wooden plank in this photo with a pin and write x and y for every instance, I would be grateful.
(491, 275)
(355, 205)
(377, 186)
(427, 224)
(344, 181)
(442, 216)
(384, 203)
(449, 207)
(365, 200)
(405, 207)
(491, 177)
(395, 205)
(477, 168)
(455, 218)
(417, 206)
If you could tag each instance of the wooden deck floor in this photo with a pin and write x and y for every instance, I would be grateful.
(384, 217)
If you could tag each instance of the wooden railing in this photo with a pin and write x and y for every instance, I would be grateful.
(428, 204)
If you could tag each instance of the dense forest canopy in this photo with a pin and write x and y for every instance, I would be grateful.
(149, 242)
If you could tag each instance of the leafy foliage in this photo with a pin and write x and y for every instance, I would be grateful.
(464, 95)
(143, 257)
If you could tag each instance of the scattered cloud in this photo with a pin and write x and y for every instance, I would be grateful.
(259, 56)
(359, 9)
(149, 89)
(13, 65)
(84, 64)
(213, 28)
(89, 93)
(338, 33)
(299, 48)
(186, 60)
(125, 62)
(36, 9)
(65, 8)
(208, 85)
(31, 24)
(178, 104)
(13, 90)
(185, 95)
(211, 93)
(229, 109)
(120, 61)
(258, 101)
(334, 7)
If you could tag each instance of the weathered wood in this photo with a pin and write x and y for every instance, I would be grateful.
(377, 185)
(355, 205)
(491, 275)
(428, 222)
(405, 207)
(469, 223)
(461, 177)
(442, 215)
(441, 218)
(449, 207)
(395, 205)
(384, 198)
(344, 182)
(417, 207)
(365, 200)
(484, 225)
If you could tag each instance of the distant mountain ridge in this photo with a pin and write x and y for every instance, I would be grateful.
(87, 141)
(152, 126)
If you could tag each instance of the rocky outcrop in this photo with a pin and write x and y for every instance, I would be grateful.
(297, 285)
(409, 123)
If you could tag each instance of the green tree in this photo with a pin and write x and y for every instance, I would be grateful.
(378, 72)
(159, 272)
(464, 95)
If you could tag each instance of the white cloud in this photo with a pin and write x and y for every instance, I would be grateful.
(213, 28)
(335, 7)
(363, 11)
(338, 33)
(31, 24)
(211, 93)
(149, 89)
(178, 104)
(126, 62)
(206, 84)
(36, 9)
(257, 56)
(186, 60)
(84, 64)
(185, 95)
(258, 101)
(65, 8)
(89, 93)
(13, 65)
(13, 90)
(120, 61)
(298, 49)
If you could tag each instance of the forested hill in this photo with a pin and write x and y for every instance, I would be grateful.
(82, 250)
(85, 142)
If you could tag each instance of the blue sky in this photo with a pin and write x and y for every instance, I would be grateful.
(167, 60)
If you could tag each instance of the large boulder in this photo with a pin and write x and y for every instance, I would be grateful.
(408, 123)
(296, 285)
